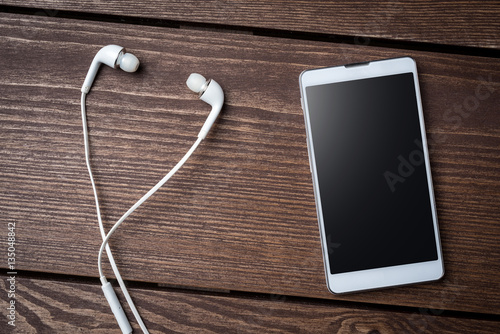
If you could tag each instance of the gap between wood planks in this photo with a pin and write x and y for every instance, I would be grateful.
(277, 33)
(61, 278)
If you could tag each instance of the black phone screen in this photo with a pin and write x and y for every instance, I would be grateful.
(371, 173)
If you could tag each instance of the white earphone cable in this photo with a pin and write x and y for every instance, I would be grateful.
(143, 199)
(210, 92)
(101, 226)
(105, 237)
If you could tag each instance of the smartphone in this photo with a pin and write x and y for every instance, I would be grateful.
(371, 175)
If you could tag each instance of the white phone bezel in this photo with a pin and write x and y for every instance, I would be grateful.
(379, 277)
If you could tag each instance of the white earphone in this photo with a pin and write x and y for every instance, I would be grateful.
(209, 91)
(114, 56)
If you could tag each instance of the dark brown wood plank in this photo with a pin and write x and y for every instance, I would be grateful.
(71, 307)
(240, 215)
(466, 23)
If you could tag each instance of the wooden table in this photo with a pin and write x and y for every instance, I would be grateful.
(231, 243)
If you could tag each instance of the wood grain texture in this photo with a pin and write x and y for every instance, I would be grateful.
(45, 306)
(240, 215)
(466, 23)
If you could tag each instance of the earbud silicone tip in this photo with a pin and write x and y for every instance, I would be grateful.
(195, 82)
(129, 63)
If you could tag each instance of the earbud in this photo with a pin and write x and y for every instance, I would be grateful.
(114, 56)
(210, 92)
